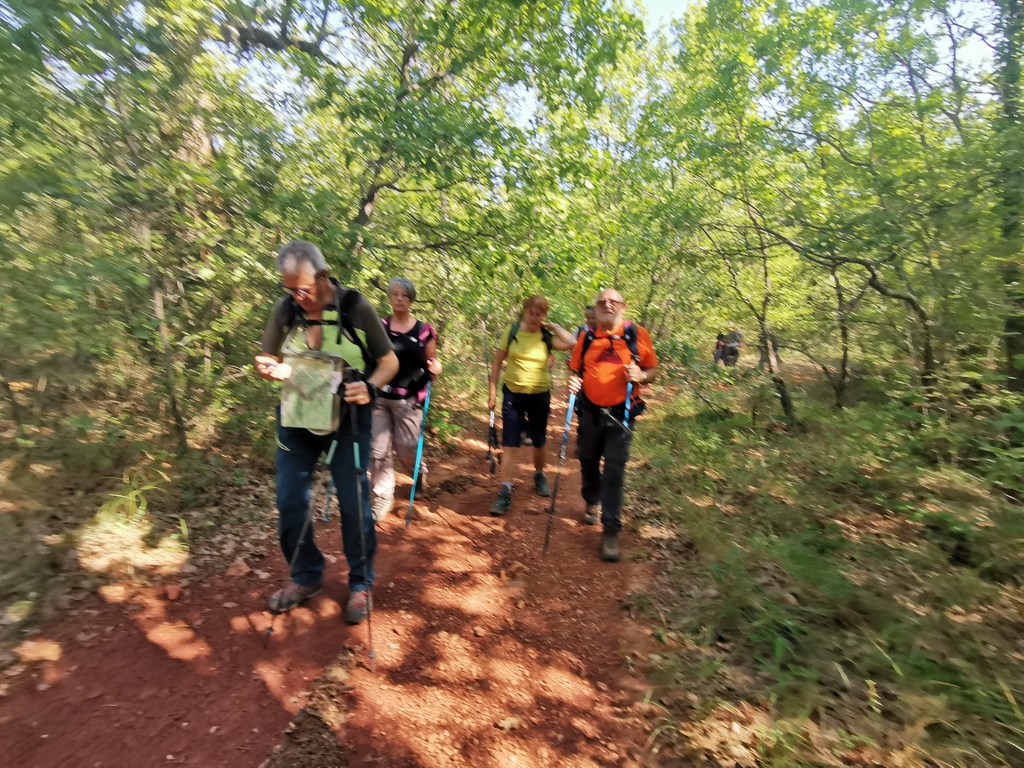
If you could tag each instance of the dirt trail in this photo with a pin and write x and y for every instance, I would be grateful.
(487, 655)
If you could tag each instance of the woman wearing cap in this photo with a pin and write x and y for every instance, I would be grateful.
(398, 413)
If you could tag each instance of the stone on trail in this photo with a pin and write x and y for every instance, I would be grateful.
(173, 591)
(237, 568)
(38, 650)
(509, 723)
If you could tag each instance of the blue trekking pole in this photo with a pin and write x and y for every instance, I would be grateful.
(419, 455)
(629, 396)
(561, 458)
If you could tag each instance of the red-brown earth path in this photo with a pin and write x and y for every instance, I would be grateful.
(486, 654)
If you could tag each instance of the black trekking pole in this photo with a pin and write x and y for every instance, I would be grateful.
(327, 504)
(558, 476)
(353, 411)
(492, 432)
(306, 525)
(720, 414)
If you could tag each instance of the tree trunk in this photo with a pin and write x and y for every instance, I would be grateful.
(180, 432)
(839, 387)
(928, 365)
(1011, 133)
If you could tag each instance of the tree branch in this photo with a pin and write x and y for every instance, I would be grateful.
(246, 36)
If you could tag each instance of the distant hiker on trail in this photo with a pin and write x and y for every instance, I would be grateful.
(719, 348)
(589, 322)
(607, 362)
(526, 393)
(733, 342)
(398, 411)
(317, 333)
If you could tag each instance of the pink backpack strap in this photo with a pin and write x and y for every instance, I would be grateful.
(426, 333)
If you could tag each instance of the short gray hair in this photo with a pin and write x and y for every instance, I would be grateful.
(299, 252)
(405, 284)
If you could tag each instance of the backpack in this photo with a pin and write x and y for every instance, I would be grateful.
(416, 381)
(545, 334)
(345, 323)
(629, 336)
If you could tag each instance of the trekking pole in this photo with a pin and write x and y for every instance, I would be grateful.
(306, 525)
(492, 433)
(492, 443)
(629, 396)
(558, 476)
(419, 455)
(362, 537)
(721, 414)
(327, 504)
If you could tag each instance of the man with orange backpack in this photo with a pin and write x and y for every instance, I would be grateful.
(609, 365)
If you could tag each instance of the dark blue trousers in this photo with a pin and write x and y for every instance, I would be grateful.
(298, 451)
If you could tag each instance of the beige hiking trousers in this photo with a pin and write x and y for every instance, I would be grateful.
(396, 423)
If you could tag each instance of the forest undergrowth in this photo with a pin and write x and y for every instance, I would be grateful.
(843, 591)
(846, 592)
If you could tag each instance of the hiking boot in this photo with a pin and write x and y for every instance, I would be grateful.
(502, 504)
(540, 484)
(610, 548)
(381, 506)
(592, 515)
(358, 608)
(293, 594)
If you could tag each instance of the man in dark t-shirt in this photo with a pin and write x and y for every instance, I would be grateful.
(321, 319)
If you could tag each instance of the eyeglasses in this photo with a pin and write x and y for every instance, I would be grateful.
(298, 293)
(612, 303)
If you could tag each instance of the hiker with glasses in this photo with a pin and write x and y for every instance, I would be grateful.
(325, 343)
(398, 413)
(609, 365)
(525, 349)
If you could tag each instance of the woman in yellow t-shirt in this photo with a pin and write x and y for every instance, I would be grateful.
(526, 395)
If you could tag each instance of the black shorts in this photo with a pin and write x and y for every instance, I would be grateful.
(524, 412)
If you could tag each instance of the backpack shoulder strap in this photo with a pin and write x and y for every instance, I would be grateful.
(588, 339)
(345, 322)
(549, 341)
(425, 331)
(290, 312)
(512, 335)
(629, 335)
